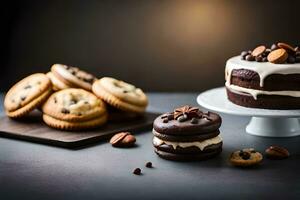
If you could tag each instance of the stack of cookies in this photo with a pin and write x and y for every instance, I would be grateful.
(72, 99)
(187, 134)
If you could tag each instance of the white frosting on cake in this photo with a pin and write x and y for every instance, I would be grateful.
(255, 93)
(200, 144)
(263, 69)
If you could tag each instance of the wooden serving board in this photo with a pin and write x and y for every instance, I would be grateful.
(32, 128)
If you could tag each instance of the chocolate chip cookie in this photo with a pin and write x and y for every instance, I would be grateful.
(245, 158)
(27, 94)
(121, 95)
(73, 77)
(74, 109)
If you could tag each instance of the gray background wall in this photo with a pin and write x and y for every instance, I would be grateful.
(157, 45)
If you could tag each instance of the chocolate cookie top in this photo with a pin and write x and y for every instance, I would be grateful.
(187, 120)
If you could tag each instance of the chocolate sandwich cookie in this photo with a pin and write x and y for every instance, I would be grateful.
(71, 77)
(187, 133)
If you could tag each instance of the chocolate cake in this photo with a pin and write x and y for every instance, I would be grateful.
(265, 78)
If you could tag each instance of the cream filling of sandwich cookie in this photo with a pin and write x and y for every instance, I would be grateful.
(201, 145)
(263, 69)
(255, 93)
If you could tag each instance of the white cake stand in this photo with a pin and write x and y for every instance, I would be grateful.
(264, 122)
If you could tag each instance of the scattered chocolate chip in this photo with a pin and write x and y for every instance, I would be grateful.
(27, 87)
(165, 120)
(23, 98)
(125, 91)
(137, 171)
(39, 82)
(182, 118)
(123, 139)
(86, 102)
(277, 152)
(73, 72)
(65, 111)
(149, 165)
(55, 100)
(194, 121)
(250, 58)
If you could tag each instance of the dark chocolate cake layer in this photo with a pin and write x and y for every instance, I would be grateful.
(264, 101)
(274, 82)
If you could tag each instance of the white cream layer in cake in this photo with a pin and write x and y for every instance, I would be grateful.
(263, 69)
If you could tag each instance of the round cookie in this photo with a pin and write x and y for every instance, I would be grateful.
(187, 157)
(121, 95)
(73, 77)
(57, 84)
(27, 94)
(74, 109)
(245, 158)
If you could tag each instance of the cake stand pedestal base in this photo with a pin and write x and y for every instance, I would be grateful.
(264, 122)
(273, 127)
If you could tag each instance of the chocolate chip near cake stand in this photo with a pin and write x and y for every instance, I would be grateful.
(264, 122)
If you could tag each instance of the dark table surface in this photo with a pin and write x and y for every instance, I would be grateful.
(36, 171)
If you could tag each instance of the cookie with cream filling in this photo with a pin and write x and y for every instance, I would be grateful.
(187, 133)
